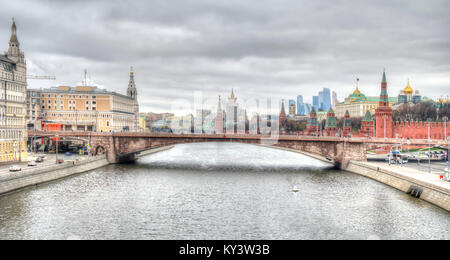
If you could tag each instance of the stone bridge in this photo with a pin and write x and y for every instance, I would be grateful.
(121, 147)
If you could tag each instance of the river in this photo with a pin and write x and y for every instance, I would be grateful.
(219, 191)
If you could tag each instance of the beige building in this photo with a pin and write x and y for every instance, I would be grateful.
(87, 108)
(142, 122)
(34, 109)
(13, 85)
(357, 104)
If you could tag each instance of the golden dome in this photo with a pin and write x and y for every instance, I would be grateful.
(408, 89)
(357, 92)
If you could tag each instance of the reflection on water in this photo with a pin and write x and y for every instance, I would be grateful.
(219, 191)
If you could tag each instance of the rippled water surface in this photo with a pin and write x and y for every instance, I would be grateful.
(219, 191)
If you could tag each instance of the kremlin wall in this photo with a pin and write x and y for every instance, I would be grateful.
(380, 127)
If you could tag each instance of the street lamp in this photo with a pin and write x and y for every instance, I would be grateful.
(429, 145)
(15, 150)
(445, 127)
(20, 146)
(56, 139)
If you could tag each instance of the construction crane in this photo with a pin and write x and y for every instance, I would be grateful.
(41, 77)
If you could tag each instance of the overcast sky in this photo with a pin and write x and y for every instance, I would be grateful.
(260, 48)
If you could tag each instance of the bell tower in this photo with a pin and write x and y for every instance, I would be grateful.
(132, 93)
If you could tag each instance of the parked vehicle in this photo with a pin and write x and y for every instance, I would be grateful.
(394, 157)
(15, 168)
(39, 159)
(60, 161)
(68, 154)
(32, 163)
(403, 158)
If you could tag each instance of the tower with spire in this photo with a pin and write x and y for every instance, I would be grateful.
(347, 129)
(383, 113)
(312, 127)
(132, 93)
(331, 123)
(367, 125)
(282, 117)
(232, 114)
(13, 66)
(219, 118)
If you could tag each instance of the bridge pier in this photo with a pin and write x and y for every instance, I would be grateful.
(340, 152)
(346, 151)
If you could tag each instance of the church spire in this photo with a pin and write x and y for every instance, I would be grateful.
(132, 91)
(219, 106)
(13, 50)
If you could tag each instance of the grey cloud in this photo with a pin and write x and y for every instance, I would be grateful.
(261, 48)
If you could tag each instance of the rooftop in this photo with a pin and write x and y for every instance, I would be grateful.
(6, 59)
(81, 90)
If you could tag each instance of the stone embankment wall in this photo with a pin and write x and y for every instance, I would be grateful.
(437, 195)
(17, 180)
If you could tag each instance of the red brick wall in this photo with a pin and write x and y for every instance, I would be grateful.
(419, 130)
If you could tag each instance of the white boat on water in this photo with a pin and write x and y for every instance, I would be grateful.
(295, 189)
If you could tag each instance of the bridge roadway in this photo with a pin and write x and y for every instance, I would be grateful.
(123, 146)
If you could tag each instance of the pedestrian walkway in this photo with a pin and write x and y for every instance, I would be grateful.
(423, 176)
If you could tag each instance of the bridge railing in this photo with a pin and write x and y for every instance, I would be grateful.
(238, 136)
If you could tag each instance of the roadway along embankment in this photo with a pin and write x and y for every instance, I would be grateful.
(13, 181)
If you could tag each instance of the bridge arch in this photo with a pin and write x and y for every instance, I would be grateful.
(99, 150)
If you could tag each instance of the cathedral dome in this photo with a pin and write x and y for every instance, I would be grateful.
(408, 90)
(357, 96)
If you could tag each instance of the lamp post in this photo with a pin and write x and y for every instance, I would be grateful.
(445, 127)
(20, 147)
(15, 150)
(56, 139)
(429, 145)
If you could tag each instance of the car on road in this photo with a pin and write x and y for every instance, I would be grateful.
(59, 161)
(15, 168)
(32, 163)
(39, 159)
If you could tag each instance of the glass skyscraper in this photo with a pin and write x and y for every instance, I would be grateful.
(316, 102)
(300, 105)
(326, 98)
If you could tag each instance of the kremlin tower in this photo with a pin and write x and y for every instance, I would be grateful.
(331, 123)
(312, 128)
(347, 131)
(383, 113)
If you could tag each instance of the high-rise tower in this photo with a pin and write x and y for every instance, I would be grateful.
(383, 113)
(282, 116)
(219, 118)
(232, 114)
(132, 93)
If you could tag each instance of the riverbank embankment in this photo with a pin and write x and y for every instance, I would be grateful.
(13, 181)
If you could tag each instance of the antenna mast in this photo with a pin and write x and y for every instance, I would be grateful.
(85, 77)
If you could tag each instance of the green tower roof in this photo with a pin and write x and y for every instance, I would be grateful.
(368, 117)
